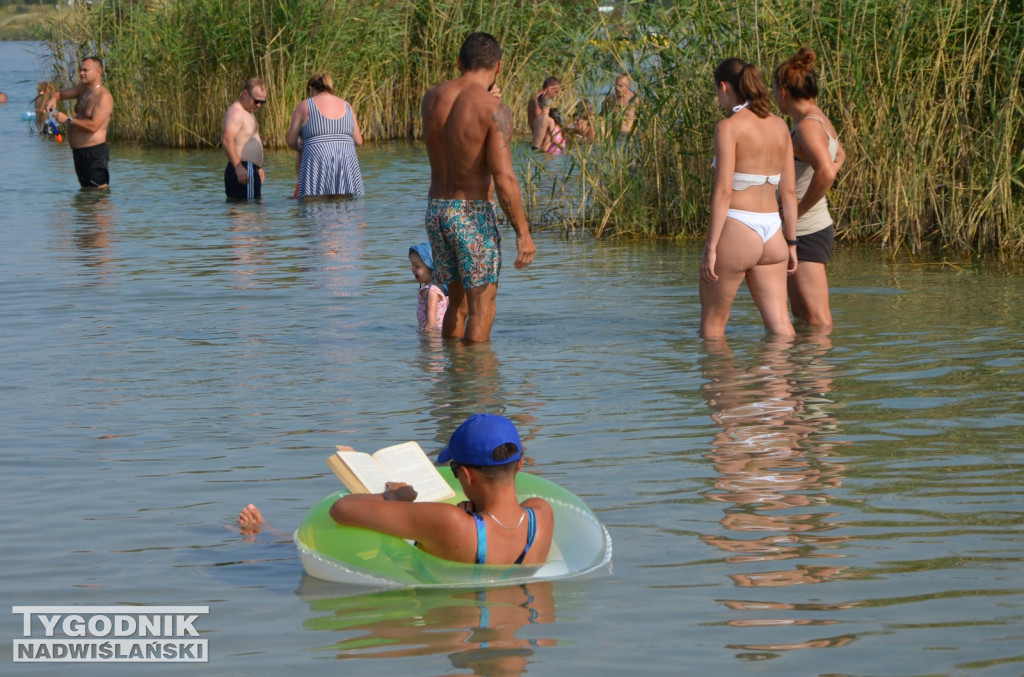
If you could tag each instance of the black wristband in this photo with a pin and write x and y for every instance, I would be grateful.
(791, 243)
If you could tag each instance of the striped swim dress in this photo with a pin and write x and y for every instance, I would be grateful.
(329, 164)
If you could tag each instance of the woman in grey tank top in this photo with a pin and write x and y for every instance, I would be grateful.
(818, 157)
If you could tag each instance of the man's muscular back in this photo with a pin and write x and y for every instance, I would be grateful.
(458, 117)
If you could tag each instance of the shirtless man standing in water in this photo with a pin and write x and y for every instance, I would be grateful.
(468, 133)
(243, 177)
(87, 128)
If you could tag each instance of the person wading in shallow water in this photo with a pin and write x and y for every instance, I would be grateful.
(468, 133)
(243, 177)
(87, 128)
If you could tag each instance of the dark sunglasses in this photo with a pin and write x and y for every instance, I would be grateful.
(258, 102)
(455, 465)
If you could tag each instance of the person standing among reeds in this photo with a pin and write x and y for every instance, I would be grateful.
(551, 88)
(325, 131)
(753, 155)
(468, 133)
(819, 155)
(620, 105)
(585, 123)
(243, 177)
(547, 130)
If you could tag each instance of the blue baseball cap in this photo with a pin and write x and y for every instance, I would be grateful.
(478, 436)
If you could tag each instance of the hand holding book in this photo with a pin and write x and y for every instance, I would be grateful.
(404, 463)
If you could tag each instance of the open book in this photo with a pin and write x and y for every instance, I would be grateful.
(367, 473)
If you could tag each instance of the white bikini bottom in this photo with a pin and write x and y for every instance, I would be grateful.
(764, 224)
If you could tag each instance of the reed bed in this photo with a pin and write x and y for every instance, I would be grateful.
(174, 67)
(926, 96)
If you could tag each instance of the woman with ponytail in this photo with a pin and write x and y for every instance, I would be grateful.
(746, 240)
(819, 155)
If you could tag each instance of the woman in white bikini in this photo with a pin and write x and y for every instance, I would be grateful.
(746, 240)
(819, 155)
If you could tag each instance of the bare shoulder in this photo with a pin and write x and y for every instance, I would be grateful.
(539, 506)
(815, 127)
(725, 128)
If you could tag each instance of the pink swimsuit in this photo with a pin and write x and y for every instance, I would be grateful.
(421, 305)
(557, 142)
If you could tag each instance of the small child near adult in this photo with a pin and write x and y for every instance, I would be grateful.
(432, 299)
(45, 89)
(585, 122)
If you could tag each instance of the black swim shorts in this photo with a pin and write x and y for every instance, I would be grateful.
(238, 191)
(816, 247)
(91, 165)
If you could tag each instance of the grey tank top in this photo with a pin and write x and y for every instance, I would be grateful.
(817, 217)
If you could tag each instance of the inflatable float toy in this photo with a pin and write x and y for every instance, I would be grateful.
(339, 554)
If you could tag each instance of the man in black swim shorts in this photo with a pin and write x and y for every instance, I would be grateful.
(91, 165)
(241, 141)
(87, 128)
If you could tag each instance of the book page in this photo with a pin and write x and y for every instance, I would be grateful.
(365, 469)
(407, 463)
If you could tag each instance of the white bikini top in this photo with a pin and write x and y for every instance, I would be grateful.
(741, 181)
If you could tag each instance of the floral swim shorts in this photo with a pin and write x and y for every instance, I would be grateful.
(465, 241)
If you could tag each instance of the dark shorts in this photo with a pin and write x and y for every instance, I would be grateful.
(816, 247)
(91, 165)
(238, 191)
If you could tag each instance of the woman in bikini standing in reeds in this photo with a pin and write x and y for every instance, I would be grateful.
(753, 159)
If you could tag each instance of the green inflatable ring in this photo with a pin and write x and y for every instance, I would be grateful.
(331, 552)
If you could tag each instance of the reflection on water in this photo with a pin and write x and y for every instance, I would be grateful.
(466, 378)
(478, 630)
(88, 220)
(775, 462)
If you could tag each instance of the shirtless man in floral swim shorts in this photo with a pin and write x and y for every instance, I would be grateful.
(469, 135)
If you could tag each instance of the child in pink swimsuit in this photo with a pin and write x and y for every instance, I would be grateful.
(432, 299)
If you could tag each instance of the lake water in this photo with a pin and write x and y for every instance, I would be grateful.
(841, 505)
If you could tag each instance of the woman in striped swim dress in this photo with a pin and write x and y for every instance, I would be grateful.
(325, 131)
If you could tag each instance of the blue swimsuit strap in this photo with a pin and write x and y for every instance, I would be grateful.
(481, 536)
(531, 532)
